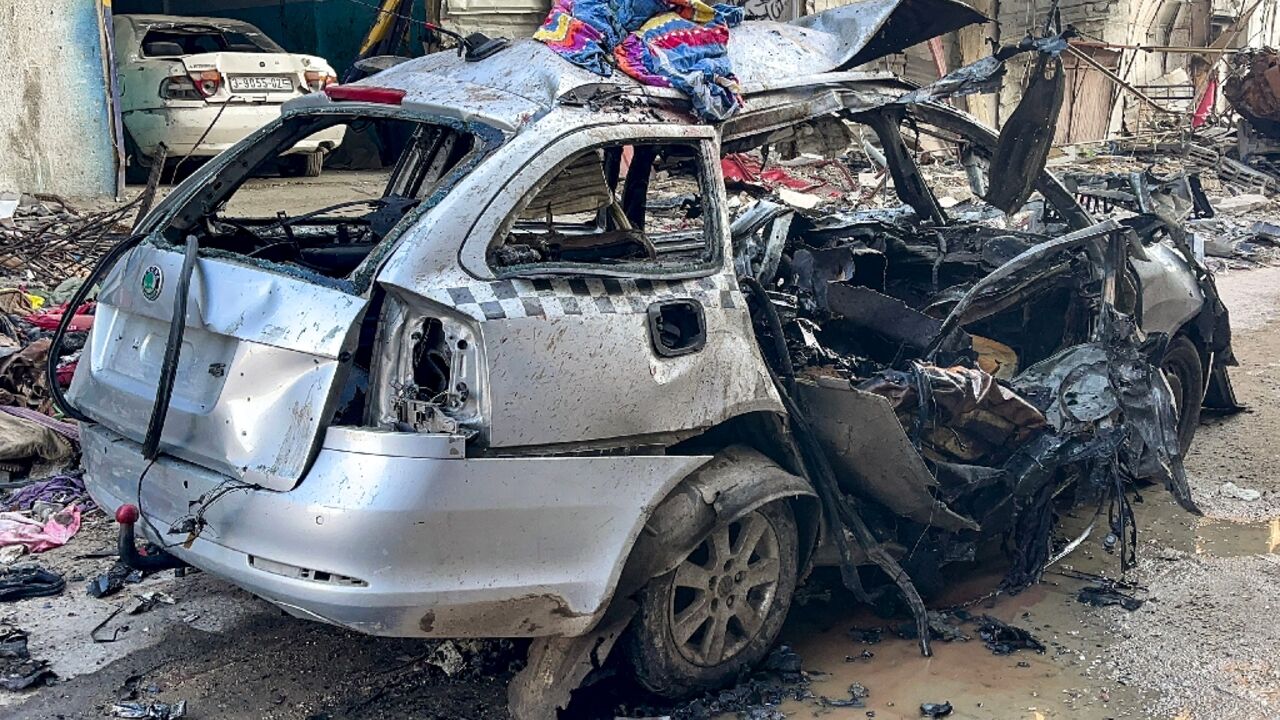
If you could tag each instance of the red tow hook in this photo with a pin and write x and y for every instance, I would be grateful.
(127, 515)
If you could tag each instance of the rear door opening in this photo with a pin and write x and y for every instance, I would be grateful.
(276, 300)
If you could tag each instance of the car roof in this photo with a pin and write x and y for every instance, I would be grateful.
(528, 79)
(145, 22)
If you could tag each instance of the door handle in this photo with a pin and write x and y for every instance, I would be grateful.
(677, 327)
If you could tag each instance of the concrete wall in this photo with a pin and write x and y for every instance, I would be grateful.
(54, 122)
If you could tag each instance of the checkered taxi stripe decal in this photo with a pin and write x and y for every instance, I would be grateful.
(583, 296)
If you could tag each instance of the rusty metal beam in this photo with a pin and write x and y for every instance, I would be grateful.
(1120, 81)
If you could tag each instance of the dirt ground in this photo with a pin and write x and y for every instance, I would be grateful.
(1202, 646)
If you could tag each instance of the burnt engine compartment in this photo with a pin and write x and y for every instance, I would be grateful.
(938, 434)
(865, 294)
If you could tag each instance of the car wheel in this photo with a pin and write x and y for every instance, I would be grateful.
(1182, 368)
(719, 612)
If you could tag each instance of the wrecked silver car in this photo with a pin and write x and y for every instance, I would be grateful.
(555, 383)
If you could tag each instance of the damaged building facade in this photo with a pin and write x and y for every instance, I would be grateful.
(1164, 84)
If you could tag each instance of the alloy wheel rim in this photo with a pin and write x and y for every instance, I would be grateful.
(723, 590)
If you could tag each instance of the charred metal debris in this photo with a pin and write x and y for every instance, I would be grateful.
(952, 380)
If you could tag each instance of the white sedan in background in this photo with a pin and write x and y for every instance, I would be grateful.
(199, 85)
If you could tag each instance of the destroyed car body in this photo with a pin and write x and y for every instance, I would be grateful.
(548, 386)
(197, 86)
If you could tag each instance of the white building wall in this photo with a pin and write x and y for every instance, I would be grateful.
(55, 134)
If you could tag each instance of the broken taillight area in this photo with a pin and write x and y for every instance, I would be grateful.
(438, 392)
(207, 82)
(179, 87)
(318, 80)
(365, 93)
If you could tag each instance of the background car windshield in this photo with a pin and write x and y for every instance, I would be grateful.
(205, 39)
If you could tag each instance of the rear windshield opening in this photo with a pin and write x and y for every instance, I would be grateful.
(263, 207)
(197, 39)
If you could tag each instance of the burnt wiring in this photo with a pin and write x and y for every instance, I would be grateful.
(190, 524)
(1123, 524)
(194, 523)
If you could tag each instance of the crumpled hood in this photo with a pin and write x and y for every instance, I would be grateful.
(841, 38)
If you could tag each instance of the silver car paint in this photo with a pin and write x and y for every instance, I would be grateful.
(1171, 297)
(444, 547)
(254, 426)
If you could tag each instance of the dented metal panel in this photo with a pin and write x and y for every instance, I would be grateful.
(260, 356)
(519, 547)
(873, 455)
(596, 377)
(1170, 294)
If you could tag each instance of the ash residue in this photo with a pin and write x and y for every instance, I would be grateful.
(780, 677)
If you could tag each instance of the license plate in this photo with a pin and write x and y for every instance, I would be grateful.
(260, 83)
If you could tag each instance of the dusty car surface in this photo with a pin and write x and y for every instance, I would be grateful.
(197, 86)
(548, 385)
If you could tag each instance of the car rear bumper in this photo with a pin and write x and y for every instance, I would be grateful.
(392, 545)
(181, 128)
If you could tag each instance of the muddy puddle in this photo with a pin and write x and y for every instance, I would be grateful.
(978, 683)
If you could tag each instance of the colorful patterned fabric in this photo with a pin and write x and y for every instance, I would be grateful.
(665, 43)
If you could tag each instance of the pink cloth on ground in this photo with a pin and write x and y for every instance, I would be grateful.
(18, 529)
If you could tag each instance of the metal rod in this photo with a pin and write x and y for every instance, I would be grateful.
(1153, 48)
(1117, 80)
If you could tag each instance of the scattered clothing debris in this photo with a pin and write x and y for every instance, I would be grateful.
(18, 671)
(18, 529)
(1103, 596)
(59, 489)
(665, 43)
(1231, 490)
(27, 440)
(150, 711)
(28, 581)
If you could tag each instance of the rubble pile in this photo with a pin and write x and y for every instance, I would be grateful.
(1232, 225)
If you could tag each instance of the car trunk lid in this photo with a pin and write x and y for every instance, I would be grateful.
(259, 77)
(261, 355)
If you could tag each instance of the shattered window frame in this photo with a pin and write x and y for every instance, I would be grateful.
(715, 226)
(225, 33)
(207, 189)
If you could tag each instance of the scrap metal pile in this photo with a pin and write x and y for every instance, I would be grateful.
(43, 238)
(957, 379)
